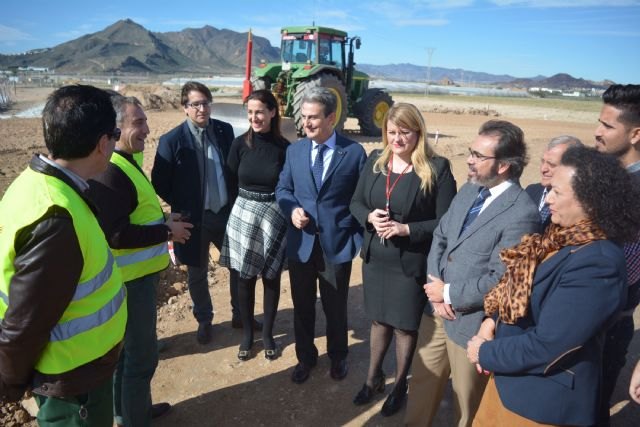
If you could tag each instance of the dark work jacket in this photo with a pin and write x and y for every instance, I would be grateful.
(177, 179)
(422, 211)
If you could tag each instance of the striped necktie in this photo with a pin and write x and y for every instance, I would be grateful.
(476, 208)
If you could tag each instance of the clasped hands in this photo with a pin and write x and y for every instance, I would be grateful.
(386, 227)
(435, 292)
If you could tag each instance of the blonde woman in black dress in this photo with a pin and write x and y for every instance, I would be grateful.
(403, 191)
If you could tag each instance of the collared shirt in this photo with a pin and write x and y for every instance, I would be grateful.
(77, 180)
(633, 167)
(495, 191)
(327, 155)
(202, 138)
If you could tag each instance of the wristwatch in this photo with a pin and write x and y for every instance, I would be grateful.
(169, 234)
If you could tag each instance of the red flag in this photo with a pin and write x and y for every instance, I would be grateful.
(246, 85)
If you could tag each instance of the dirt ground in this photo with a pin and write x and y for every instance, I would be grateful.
(207, 385)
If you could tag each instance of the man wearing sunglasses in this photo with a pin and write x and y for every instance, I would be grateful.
(191, 175)
(133, 221)
(63, 308)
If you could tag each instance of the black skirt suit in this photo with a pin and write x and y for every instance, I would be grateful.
(394, 272)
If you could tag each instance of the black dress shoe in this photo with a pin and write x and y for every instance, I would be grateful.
(339, 369)
(365, 395)
(159, 410)
(395, 400)
(236, 323)
(204, 333)
(300, 373)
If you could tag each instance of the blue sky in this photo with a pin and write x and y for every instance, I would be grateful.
(595, 40)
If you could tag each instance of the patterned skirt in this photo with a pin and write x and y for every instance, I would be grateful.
(255, 239)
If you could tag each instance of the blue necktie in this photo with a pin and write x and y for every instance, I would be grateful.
(475, 208)
(545, 213)
(318, 166)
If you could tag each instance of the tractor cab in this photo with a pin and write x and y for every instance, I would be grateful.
(313, 45)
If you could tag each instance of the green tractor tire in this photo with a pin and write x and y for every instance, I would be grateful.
(325, 80)
(370, 111)
(261, 83)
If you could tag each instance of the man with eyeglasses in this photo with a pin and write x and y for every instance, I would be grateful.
(191, 175)
(133, 221)
(63, 307)
(489, 213)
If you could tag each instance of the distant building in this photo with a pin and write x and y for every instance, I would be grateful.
(446, 81)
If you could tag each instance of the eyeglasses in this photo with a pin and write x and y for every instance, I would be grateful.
(198, 105)
(479, 157)
(115, 134)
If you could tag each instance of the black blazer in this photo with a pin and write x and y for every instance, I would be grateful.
(176, 177)
(421, 211)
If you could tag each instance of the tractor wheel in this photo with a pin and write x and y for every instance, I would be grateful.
(330, 82)
(261, 83)
(371, 110)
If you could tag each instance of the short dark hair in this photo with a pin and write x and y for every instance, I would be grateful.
(511, 148)
(322, 96)
(599, 174)
(74, 119)
(194, 86)
(625, 98)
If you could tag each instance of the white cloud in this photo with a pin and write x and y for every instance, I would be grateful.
(404, 15)
(9, 34)
(443, 4)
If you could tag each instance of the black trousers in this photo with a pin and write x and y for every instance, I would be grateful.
(333, 280)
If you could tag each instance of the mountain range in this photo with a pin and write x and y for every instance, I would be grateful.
(126, 47)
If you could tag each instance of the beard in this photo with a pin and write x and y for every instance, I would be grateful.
(489, 180)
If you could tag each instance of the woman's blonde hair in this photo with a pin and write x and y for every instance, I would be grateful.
(407, 116)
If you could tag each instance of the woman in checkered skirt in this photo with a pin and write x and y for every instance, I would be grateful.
(254, 243)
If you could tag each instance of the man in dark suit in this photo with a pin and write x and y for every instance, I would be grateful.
(489, 213)
(190, 174)
(548, 163)
(619, 134)
(315, 188)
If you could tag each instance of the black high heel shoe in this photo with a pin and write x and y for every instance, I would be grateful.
(395, 400)
(365, 395)
(271, 353)
(244, 355)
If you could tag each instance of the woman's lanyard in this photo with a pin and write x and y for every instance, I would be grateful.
(389, 188)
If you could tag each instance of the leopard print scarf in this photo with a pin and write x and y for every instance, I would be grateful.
(510, 297)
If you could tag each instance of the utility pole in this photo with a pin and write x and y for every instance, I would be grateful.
(430, 51)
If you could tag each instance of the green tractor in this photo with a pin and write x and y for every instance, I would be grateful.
(316, 56)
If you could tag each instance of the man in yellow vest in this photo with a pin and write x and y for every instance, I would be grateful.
(63, 308)
(133, 221)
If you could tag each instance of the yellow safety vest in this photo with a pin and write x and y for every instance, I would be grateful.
(95, 319)
(139, 262)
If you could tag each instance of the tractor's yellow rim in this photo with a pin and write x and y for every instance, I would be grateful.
(338, 106)
(379, 112)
